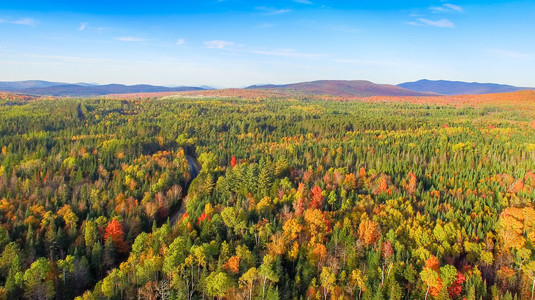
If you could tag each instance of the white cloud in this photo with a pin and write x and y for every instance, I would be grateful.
(23, 21)
(265, 25)
(371, 62)
(316, 26)
(86, 27)
(454, 7)
(443, 23)
(267, 11)
(437, 9)
(512, 54)
(217, 44)
(278, 12)
(302, 1)
(420, 19)
(447, 7)
(243, 49)
(130, 39)
(289, 53)
(344, 28)
(180, 42)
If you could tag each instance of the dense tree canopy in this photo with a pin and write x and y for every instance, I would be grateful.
(293, 198)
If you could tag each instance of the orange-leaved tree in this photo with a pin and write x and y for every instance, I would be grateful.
(369, 232)
(431, 276)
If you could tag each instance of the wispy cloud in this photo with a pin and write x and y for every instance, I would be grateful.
(302, 1)
(421, 20)
(288, 53)
(315, 25)
(454, 7)
(447, 7)
(218, 44)
(130, 39)
(371, 62)
(268, 11)
(511, 54)
(86, 27)
(265, 25)
(414, 23)
(344, 28)
(23, 21)
(180, 42)
(243, 49)
(442, 23)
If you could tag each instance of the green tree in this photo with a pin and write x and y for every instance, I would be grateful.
(37, 282)
(90, 233)
(217, 284)
(267, 273)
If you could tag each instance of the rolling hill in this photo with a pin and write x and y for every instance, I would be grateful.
(360, 88)
(445, 87)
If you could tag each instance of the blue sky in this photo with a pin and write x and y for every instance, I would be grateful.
(232, 43)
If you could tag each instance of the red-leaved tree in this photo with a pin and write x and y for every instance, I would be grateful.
(233, 161)
(114, 230)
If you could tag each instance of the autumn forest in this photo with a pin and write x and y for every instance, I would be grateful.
(243, 194)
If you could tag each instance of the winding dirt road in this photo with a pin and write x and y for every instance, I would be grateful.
(194, 171)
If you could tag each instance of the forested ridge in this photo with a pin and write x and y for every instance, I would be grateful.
(304, 197)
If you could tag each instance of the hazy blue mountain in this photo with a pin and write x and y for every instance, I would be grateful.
(18, 85)
(37, 87)
(446, 87)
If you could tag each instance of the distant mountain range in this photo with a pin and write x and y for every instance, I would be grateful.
(38, 87)
(360, 88)
(363, 88)
(445, 87)
(20, 85)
